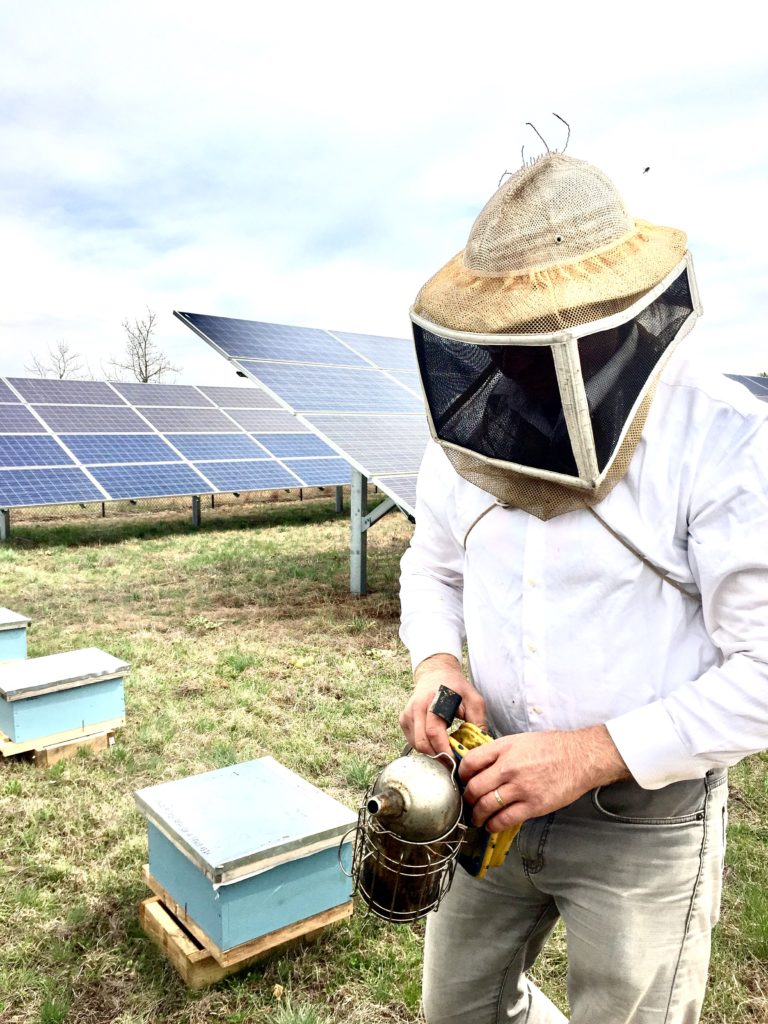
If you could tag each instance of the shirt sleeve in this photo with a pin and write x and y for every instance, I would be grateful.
(722, 716)
(431, 580)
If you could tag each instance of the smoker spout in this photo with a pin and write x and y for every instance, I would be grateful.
(386, 804)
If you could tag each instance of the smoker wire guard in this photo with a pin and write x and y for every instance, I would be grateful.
(430, 880)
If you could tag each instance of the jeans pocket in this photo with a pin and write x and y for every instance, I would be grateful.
(625, 801)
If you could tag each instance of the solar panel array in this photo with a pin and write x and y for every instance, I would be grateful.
(66, 441)
(757, 385)
(359, 392)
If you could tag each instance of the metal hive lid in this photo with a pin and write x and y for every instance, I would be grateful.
(12, 620)
(53, 672)
(246, 818)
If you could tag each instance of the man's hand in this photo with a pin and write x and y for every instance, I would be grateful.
(424, 731)
(534, 773)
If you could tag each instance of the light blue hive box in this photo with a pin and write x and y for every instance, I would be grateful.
(60, 696)
(13, 635)
(245, 851)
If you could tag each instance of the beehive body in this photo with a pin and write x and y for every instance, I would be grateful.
(13, 635)
(248, 849)
(58, 693)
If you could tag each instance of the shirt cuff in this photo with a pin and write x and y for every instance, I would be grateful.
(652, 749)
(438, 641)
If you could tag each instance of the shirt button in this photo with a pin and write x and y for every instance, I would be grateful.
(532, 648)
(537, 709)
(531, 583)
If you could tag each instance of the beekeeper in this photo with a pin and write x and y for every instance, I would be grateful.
(591, 521)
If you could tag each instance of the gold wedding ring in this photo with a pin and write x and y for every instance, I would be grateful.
(499, 801)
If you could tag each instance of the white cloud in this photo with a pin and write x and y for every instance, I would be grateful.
(313, 163)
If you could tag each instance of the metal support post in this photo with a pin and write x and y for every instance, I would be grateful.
(5, 524)
(339, 499)
(197, 514)
(361, 521)
(358, 544)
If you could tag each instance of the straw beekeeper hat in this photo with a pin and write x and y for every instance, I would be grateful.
(553, 248)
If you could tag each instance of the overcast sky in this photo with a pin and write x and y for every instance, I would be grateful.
(313, 163)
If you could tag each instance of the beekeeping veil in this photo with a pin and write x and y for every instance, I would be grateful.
(540, 344)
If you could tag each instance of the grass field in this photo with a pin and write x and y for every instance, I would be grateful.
(243, 641)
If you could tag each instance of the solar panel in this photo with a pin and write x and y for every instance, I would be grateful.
(259, 421)
(93, 449)
(319, 388)
(249, 338)
(35, 450)
(65, 441)
(17, 419)
(381, 444)
(240, 398)
(92, 419)
(46, 487)
(153, 481)
(359, 392)
(196, 447)
(196, 420)
(286, 446)
(65, 392)
(756, 385)
(163, 394)
(389, 353)
(249, 476)
(321, 472)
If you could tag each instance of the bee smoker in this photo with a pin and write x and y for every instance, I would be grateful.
(409, 832)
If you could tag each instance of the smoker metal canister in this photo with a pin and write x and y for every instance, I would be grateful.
(408, 837)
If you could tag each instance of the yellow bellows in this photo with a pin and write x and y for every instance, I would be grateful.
(467, 737)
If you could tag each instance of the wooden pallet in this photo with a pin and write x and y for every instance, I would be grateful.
(198, 960)
(47, 750)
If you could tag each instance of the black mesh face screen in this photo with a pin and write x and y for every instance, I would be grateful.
(616, 364)
(501, 401)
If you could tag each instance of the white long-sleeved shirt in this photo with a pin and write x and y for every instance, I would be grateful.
(567, 628)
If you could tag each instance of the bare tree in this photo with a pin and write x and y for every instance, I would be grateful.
(59, 362)
(142, 358)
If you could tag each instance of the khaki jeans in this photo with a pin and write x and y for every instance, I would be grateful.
(636, 877)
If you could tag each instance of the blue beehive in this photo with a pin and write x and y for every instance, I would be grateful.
(247, 850)
(70, 694)
(13, 635)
